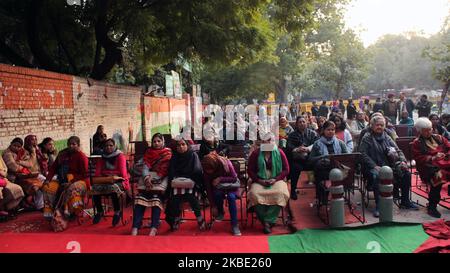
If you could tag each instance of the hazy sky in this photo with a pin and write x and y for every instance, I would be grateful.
(378, 17)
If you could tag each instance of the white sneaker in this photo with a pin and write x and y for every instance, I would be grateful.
(153, 232)
(235, 230)
(134, 231)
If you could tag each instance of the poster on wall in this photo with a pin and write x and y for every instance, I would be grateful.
(176, 85)
(169, 85)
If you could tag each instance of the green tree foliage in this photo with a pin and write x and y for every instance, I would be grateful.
(336, 61)
(439, 54)
(397, 62)
(282, 71)
(137, 36)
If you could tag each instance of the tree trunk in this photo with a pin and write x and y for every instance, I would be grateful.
(281, 91)
(338, 90)
(113, 53)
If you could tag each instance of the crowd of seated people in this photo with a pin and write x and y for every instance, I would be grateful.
(37, 177)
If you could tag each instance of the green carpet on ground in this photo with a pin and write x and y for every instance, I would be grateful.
(380, 238)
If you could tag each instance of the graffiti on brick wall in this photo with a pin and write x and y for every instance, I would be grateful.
(15, 97)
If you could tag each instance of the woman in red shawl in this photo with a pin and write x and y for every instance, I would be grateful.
(218, 173)
(112, 168)
(431, 153)
(152, 184)
(71, 183)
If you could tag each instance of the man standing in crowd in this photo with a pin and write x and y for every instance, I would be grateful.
(351, 110)
(323, 109)
(341, 106)
(424, 106)
(314, 109)
(405, 105)
(378, 105)
(390, 109)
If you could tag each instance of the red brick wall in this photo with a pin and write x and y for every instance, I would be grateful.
(55, 105)
(116, 107)
(34, 101)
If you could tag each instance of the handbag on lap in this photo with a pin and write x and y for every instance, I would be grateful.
(229, 186)
(155, 183)
(182, 183)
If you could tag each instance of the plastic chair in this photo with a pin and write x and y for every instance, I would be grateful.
(352, 181)
(104, 198)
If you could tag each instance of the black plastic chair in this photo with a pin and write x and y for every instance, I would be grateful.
(348, 163)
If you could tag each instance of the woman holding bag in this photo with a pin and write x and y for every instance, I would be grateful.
(222, 182)
(186, 179)
(152, 184)
(111, 179)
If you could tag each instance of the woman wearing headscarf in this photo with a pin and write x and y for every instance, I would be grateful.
(10, 193)
(268, 194)
(210, 143)
(431, 153)
(38, 163)
(156, 169)
(185, 180)
(327, 144)
(379, 150)
(98, 140)
(71, 169)
(219, 172)
(111, 168)
(49, 153)
(22, 170)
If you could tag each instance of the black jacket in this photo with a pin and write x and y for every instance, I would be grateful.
(424, 108)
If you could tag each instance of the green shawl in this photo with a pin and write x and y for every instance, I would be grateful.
(276, 164)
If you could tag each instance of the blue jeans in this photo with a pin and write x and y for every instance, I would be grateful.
(219, 196)
(138, 214)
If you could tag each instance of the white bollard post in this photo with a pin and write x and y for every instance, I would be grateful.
(337, 211)
(386, 199)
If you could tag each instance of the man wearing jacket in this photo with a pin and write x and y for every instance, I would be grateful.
(424, 106)
(390, 109)
(405, 104)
